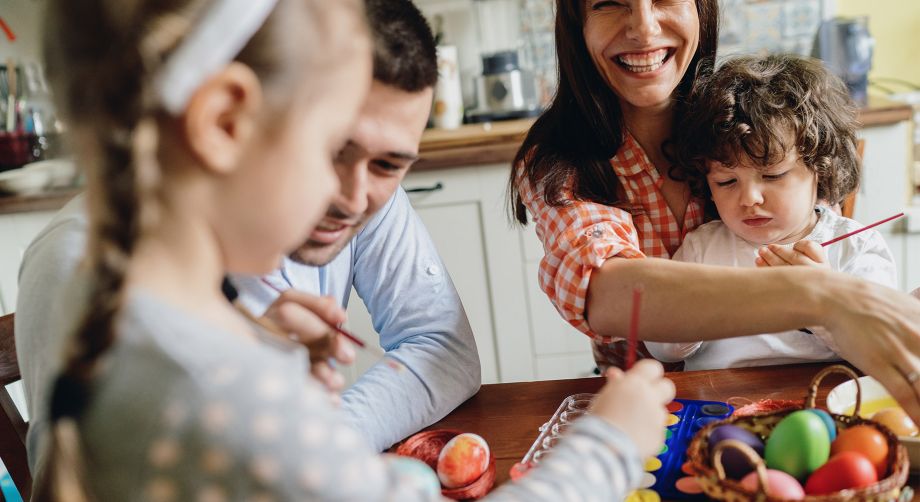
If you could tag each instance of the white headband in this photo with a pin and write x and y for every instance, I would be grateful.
(214, 41)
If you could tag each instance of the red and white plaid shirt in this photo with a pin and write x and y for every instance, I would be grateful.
(580, 236)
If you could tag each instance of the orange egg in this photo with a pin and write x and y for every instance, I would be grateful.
(867, 440)
(896, 420)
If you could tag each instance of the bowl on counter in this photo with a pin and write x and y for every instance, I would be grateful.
(62, 172)
(21, 181)
(842, 399)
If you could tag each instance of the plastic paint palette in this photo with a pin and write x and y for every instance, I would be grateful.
(664, 477)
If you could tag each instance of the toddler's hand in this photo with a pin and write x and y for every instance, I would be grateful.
(801, 253)
(307, 318)
(635, 403)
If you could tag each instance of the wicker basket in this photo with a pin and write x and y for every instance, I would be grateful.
(714, 483)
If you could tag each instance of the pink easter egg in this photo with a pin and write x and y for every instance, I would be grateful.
(779, 485)
(462, 460)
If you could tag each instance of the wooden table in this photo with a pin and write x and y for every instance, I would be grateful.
(508, 415)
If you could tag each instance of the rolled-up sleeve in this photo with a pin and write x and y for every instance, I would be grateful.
(578, 237)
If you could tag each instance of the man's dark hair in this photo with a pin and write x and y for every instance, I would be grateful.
(404, 49)
(760, 109)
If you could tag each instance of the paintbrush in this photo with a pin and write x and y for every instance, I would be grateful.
(633, 340)
(377, 351)
(863, 229)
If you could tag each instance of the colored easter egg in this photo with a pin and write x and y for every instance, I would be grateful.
(828, 422)
(798, 445)
(866, 440)
(896, 420)
(462, 460)
(844, 470)
(779, 485)
(415, 473)
(735, 463)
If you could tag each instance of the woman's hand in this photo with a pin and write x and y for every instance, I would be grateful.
(878, 330)
(801, 253)
(308, 319)
(635, 403)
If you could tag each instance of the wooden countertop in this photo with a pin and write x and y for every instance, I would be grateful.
(508, 416)
(46, 201)
(472, 144)
(498, 142)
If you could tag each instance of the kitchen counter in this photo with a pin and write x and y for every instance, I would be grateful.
(498, 142)
(469, 145)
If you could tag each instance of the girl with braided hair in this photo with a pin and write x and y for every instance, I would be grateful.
(207, 129)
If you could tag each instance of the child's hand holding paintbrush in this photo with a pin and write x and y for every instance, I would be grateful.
(805, 252)
(309, 320)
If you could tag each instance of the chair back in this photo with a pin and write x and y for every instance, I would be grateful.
(849, 202)
(12, 427)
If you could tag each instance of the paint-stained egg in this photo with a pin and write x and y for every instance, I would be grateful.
(462, 460)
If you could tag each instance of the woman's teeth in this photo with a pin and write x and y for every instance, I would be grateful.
(643, 63)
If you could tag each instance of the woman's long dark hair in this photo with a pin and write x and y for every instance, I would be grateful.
(583, 127)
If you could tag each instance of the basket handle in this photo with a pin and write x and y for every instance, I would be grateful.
(816, 381)
(748, 453)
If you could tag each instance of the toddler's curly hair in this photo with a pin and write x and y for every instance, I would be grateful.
(760, 108)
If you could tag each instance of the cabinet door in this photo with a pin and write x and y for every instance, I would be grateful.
(884, 189)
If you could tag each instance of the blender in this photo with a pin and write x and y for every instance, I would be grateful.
(503, 90)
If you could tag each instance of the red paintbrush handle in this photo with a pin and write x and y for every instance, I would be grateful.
(863, 229)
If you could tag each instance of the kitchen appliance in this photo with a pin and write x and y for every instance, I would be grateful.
(504, 91)
(846, 47)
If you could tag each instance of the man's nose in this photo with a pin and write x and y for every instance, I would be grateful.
(354, 191)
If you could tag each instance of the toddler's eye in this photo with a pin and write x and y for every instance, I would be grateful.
(725, 183)
(774, 177)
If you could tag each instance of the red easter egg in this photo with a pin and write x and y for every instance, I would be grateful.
(847, 469)
(866, 440)
(779, 485)
(462, 460)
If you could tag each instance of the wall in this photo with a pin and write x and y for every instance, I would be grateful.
(895, 25)
(24, 18)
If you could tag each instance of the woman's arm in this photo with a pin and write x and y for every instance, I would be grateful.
(876, 328)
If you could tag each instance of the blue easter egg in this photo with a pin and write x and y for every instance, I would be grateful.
(828, 422)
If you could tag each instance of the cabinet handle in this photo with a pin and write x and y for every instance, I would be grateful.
(434, 188)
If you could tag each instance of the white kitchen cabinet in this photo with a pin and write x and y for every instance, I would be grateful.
(884, 190)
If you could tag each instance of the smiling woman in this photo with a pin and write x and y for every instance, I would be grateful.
(594, 176)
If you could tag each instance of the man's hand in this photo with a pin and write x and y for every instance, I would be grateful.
(309, 320)
(801, 253)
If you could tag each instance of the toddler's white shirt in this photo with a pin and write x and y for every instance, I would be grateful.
(865, 255)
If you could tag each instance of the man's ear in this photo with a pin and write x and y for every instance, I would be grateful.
(221, 117)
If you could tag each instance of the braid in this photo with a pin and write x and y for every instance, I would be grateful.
(122, 189)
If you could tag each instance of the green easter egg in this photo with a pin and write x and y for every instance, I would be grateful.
(798, 445)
